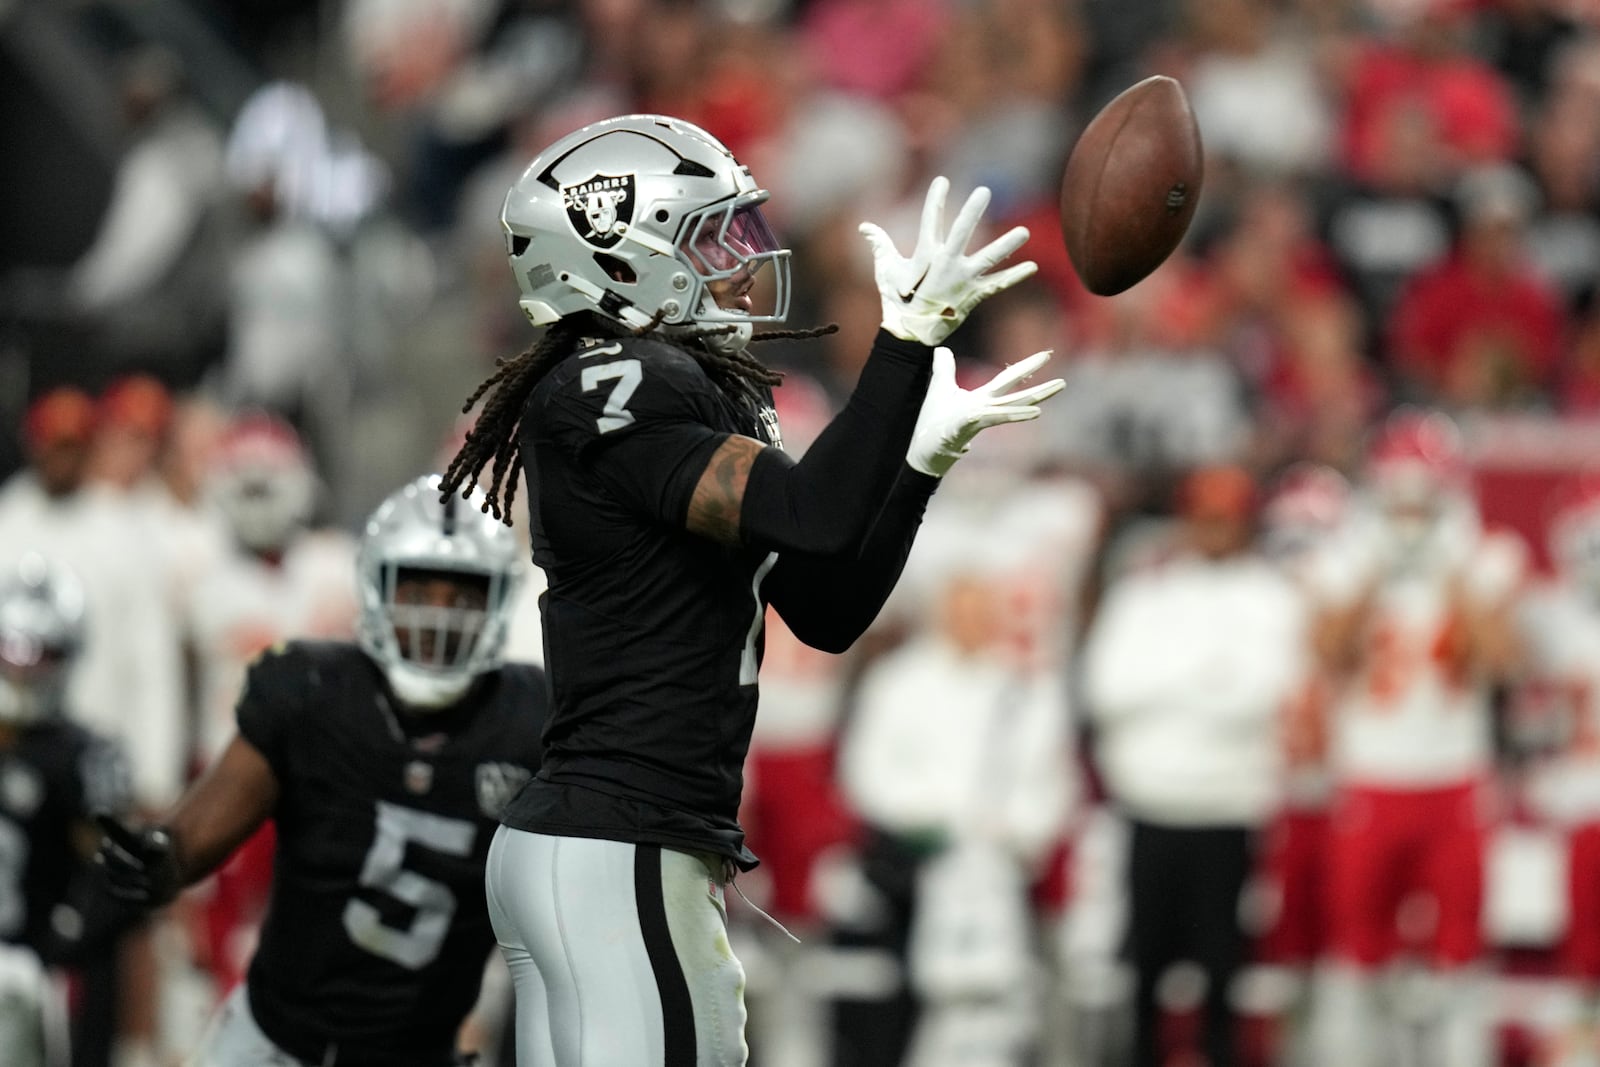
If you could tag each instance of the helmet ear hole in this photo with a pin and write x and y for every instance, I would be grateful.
(616, 269)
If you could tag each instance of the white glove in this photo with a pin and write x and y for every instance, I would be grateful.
(952, 416)
(927, 296)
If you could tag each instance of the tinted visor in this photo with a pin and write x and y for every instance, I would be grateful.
(725, 240)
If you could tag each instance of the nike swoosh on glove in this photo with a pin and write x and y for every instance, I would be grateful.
(926, 296)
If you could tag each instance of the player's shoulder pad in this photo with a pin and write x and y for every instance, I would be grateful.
(618, 383)
(290, 669)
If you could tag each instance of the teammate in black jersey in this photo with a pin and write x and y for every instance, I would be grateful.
(384, 765)
(667, 516)
(54, 775)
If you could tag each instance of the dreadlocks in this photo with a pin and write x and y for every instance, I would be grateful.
(495, 435)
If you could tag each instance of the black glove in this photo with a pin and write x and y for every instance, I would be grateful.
(140, 866)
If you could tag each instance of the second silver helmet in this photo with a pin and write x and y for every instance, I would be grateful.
(431, 651)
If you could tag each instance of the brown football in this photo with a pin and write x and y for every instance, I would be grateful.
(1131, 185)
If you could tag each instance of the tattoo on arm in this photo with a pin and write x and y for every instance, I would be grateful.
(719, 495)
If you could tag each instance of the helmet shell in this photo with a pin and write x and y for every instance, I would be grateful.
(42, 621)
(609, 218)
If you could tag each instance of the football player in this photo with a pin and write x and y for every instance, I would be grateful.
(53, 774)
(1307, 506)
(1417, 628)
(279, 578)
(1561, 621)
(384, 764)
(667, 517)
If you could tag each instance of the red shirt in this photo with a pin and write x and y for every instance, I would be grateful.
(1451, 313)
(1472, 107)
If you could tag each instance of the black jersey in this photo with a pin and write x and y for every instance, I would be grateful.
(53, 776)
(652, 634)
(378, 930)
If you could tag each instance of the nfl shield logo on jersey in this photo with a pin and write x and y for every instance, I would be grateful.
(599, 207)
(497, 784)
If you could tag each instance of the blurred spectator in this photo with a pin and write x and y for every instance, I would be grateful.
(285, 293)
(1563, 157)
(1187, 670)
(149, 283)
(1142, 397)
(1303, 513)
(1579, 388)
(957, 760)
(127, 684)
(1482, 328)
(995, 104)
(1385, 228)
(1254, 89)
(133, 419)
(1521, 38)
(1321, 393)
(875, 48)
(1424, 77)
(1561, 622)
(146, 454)
(1415, 631)
(280, 579)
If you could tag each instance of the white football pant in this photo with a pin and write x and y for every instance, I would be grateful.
(619, 953)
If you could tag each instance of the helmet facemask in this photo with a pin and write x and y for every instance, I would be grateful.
(437, 583)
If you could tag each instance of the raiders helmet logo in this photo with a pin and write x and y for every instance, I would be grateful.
(598, 207)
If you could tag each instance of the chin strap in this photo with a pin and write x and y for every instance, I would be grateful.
(724, 338)
(424, 693)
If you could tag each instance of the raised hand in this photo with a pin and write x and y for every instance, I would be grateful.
(925, 297)
(952, 416)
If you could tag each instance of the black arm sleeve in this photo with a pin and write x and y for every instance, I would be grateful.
(830, 601)
(824, 504)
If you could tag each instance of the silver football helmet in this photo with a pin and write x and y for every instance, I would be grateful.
(41, 632)
(431, 652)
(633, 217)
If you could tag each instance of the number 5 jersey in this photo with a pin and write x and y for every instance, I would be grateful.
(378, 932)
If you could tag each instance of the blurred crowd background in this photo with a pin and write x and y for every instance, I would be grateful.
(1240, 710)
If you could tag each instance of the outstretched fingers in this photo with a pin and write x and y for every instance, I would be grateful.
(966, 223)
(932, 215)
(1033, 394)
(995, 416)
(999, 249)
(1019, 371)
(991, 284)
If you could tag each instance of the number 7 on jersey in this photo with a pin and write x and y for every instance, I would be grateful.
(627, 374)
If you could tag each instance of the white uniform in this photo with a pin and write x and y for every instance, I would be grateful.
(1410, 719)
(1561, 626)
(1187, 669)
(246, 606)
